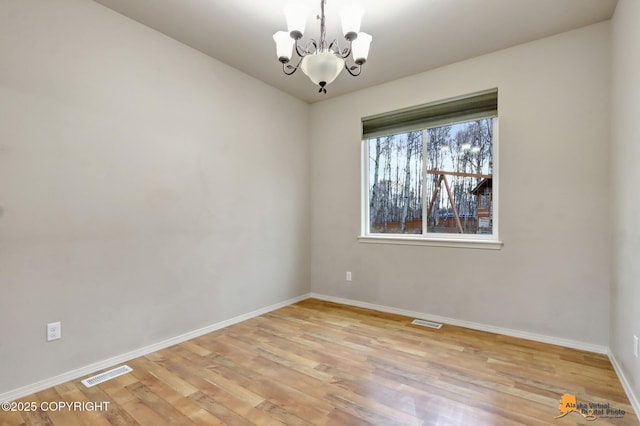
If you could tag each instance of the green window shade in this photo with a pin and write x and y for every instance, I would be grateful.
(473, 107)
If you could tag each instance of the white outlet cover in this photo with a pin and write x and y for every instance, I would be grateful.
(635, 346)
(54, 331)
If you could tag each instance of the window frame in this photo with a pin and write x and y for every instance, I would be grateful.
(480, 241)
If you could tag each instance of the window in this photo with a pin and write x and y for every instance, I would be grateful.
(429, 173)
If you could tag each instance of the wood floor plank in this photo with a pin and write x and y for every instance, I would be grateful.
(321, 363)
(55, 415)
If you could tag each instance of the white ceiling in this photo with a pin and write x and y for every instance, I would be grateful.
(409, 36)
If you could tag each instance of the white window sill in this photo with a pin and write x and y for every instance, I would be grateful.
(431, 241)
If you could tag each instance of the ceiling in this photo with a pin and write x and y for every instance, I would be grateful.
(409, 36)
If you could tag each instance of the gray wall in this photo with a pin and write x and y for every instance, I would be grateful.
(146, 190)
(625, 173)
(552, 275)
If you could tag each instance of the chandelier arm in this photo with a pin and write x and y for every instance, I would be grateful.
(293, 69)
(357, 68)
(334, 42)
(335, 47)
(343, 54)
(313, 43)
(300, 51)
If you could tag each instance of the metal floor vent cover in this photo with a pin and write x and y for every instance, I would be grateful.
(107, 375)
(429, 324)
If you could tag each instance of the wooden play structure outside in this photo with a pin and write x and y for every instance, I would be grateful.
(484, 197)
(443, 178)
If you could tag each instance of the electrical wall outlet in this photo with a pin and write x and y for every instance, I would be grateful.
(348, 275)
(54, 331)
(635, 346)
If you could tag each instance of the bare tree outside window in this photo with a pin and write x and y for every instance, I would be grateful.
(395, 192)
(435, 180)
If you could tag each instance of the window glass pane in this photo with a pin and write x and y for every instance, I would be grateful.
(395, 183)
(459, 180)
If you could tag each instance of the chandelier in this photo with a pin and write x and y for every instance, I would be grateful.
(322, 62)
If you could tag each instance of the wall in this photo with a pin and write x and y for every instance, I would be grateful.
(552, 275)
(625, 174)
(146, 190)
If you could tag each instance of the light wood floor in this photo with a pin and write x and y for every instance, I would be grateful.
(321, 363)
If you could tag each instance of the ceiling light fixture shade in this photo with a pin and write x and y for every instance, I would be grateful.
(322, 68)
(360, 48)
(351, 17)
(296, 15)
(284, 45)
(322, 62)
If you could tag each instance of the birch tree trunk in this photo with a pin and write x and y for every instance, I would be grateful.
(411, 142)
(373, 202)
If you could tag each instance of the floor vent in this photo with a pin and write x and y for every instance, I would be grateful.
(107, 375)
(424, 323)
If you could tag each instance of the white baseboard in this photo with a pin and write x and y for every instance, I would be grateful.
(107, 363)
(467, 324)
(625, 384)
